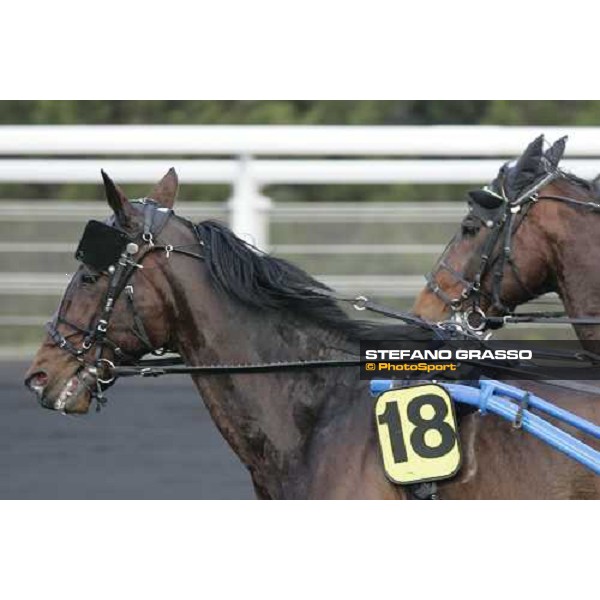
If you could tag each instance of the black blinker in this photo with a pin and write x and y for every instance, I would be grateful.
(101, 245)
(485, 199)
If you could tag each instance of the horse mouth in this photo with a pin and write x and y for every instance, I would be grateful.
(73, 398)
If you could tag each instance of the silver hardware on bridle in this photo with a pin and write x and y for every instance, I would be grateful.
(111, 367)
(360, 303)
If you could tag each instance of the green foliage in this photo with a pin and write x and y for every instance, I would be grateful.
(323, 112)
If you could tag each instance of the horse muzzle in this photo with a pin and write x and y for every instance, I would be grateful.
(74, 397)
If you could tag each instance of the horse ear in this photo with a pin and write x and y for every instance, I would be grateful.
(117, 199)
(532, 153)
(165, 191)
(555, 153)
(527, 168)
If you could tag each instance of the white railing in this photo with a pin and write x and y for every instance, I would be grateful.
(434, 154)
(275, 140)
(249, 158)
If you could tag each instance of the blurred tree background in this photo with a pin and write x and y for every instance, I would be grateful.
(290, 112)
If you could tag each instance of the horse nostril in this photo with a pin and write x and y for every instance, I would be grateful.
(37, 380)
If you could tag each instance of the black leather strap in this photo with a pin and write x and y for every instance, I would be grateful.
(427, 490)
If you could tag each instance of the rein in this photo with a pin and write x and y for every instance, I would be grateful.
(176, 366)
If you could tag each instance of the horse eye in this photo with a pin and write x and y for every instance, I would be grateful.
(88, 278)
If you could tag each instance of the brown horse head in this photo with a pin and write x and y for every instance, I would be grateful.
(514, 242)
(111, 309)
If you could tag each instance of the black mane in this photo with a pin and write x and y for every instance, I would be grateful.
(263, 282)
(578, 181)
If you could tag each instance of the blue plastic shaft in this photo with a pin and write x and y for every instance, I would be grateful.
(501, 402)
(555, 437)
(546, 407)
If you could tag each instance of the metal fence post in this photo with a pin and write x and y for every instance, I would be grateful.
(249, 209)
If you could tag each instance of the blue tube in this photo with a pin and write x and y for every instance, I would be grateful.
(555, 437)
(378, 386)
(546, 407)
(498, 398)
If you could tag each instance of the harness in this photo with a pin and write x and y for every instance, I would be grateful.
(492, 208)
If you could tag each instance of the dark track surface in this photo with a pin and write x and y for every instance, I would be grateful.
(155, 440)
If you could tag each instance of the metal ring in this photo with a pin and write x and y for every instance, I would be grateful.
(476, 310)
(111, 365)
(360, 303)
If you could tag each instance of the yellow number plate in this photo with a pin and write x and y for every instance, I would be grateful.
(418, 434)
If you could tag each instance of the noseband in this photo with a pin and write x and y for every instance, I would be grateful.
(106, 249)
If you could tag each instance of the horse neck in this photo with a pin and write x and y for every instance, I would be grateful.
(576, 259)
(266, 418)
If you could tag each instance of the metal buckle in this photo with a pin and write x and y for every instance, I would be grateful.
(523, 406)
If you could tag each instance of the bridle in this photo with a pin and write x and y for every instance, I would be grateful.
(502, 221)
(127, 255)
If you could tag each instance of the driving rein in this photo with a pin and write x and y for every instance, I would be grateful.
(501, 220)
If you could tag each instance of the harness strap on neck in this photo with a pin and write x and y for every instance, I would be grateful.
(428, 490)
